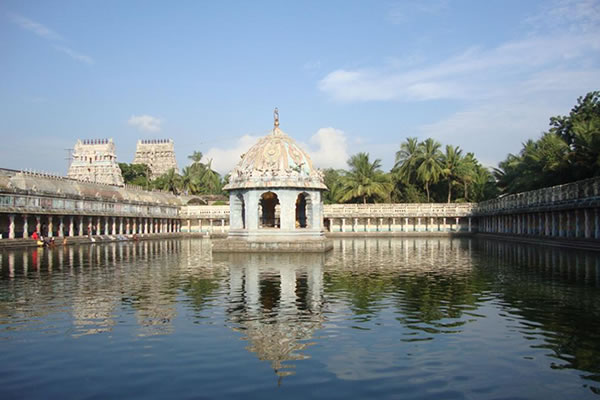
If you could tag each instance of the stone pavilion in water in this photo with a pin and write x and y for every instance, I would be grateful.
(275, 197)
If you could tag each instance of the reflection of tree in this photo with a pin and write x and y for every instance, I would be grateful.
(554, 294)
(200, 291)
(424, 287)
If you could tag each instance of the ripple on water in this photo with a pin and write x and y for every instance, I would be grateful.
(376, 318)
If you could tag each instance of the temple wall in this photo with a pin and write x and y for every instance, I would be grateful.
(62, 207)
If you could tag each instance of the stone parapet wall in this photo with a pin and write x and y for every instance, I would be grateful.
(580, 194)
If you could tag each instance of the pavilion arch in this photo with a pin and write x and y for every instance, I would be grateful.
(268, 210)
(304, 210)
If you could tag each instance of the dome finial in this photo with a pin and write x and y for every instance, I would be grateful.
(276, 117)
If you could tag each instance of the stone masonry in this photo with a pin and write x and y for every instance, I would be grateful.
(95, 161)
(157, 154)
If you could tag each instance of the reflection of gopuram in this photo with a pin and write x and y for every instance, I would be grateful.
(276, 301)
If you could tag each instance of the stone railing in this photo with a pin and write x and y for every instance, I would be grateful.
(398, 210)
(353, 210)
(204, 212)
(570, 195)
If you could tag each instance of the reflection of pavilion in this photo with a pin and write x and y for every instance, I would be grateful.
(276, 300)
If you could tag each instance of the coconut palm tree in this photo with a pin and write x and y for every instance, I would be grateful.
(430, 166)
(452, 167)
(407, 160)
(365, 180)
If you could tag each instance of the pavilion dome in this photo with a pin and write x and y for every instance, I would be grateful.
(275, 161)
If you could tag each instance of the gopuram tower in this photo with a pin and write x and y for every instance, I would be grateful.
(157, 154)
(95, 161)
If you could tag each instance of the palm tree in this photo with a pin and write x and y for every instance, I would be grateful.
(364, 180)
(170, 181)
(430, 167)
(196, 157)
(407, 160)
(452, 162)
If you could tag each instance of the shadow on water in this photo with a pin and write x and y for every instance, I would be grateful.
(388, 312)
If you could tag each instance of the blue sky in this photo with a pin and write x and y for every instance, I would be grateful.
(347, 76)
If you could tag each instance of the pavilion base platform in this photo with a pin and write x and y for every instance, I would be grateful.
(273, 245)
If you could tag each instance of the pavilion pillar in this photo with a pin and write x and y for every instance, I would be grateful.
(145, 225)
(561, 224)
(189, 225)
(120, 225)
(587, 224)
(354, 224)
(431, 224)
(114, 226)
(25, 226)
(393, 227)
(61, 227)
(50, 227)
(80, 227)
(71, 226)
(127, 226)
(577, 223)
(11, 226)
(418, 227)
(98, 226)
(470, 226)
(135, 226)
(457, 224)
(106, 226)
(546, 224)
(596, 223)
(199, 224)
(343, 226)
(89, 226)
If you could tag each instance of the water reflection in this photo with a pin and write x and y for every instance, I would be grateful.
(275, 300)
(373, 309)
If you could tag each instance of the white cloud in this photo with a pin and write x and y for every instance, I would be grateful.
(35, 27)
(52, 36)
(223, 160)
(328, 148)
(563, 36)
(75, 55)
(145, 123)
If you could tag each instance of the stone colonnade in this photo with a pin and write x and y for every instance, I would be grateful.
(399, 224)
(13, 226)
(582, 223)
(209, 225)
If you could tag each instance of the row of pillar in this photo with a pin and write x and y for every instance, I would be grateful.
(207, 225)
(406, 224)
(89, 225)
(579, 223)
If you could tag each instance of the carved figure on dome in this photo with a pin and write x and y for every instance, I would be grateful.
(276, 117)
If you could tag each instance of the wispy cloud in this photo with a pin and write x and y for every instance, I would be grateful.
(35, 27)
(145, 123)
(50, 35)
(75, 55)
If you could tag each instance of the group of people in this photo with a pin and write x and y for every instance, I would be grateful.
(41, 240)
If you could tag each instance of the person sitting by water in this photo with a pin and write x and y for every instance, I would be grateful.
(35, 236)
